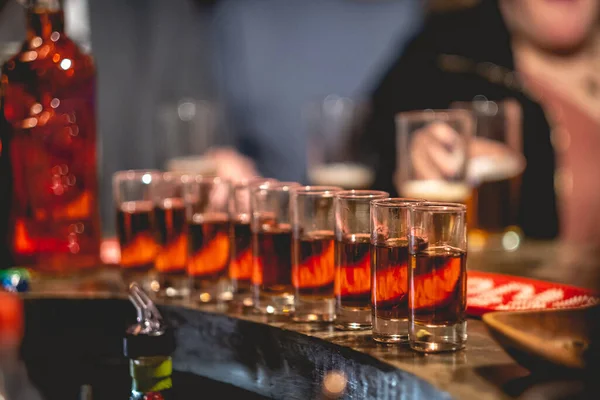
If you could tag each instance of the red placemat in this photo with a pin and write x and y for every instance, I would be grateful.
(488, 291)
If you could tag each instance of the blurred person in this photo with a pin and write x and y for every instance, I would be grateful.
(545, 55)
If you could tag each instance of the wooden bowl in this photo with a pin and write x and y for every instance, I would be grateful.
(543, 340)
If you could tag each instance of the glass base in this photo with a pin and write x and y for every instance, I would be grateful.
(314, 310)
(353, 318)
(438, 338)
(173, 286)
(242, 294)
(273, 303)
(390, 330)
(211, 290)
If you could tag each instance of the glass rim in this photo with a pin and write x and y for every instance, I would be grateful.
(360, 194)
(438, 114)
(440, 207)
(391, 202)
(252, 182)
(135, 174)
(170, 176)
(309, 190)
(275, 186)
(188, 178)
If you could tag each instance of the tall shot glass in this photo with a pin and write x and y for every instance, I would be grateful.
(353, 258)
(313, 221)
(390, 226)
(438, 277)
(272, 248)
(171, 234)
(135, 223)
(240, 267)
(207, 211)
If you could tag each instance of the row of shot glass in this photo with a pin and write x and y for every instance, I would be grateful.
(356, 258)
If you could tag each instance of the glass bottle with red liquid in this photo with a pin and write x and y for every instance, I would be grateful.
(48, 156)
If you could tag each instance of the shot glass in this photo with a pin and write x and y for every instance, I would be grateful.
(353, 258)
(135, 224)
(272, 248)
(390, 226)
(207, 212)
(240, 267)
(437, 277)
(171, 233)
(313, 271)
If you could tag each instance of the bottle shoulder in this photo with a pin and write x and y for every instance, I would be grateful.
(59, 61)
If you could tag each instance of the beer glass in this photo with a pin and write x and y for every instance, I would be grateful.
(313, 252)
(390, 226)
(495, 167)
(433, 154)
(437, 277)
(331, 124)
(353, 258)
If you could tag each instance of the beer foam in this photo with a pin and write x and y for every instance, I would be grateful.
(498, 168)
(193, 164)
(437, 190)
(346, 175)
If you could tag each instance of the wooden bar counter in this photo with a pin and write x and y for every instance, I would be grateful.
(282, 359)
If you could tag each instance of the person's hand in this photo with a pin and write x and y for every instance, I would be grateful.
(437, 152)
(230, 164)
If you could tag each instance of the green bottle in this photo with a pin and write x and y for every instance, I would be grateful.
(149, 345)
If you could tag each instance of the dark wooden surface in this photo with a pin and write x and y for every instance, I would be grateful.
(482, 371)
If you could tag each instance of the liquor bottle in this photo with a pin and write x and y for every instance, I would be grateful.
(148, 345)
(48, 184)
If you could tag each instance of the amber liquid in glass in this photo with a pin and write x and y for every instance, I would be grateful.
(353, 271)
(439, 286)
(272, 260)
(389, 295)
(48, 150)
(209, 247)
(240, 268)
(170, 223)
(313, 270)
(135, 229)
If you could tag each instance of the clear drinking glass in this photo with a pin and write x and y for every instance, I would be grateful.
(171, 233)
(495, 168)
(332, 123)
(433, 154)
(390, 226)
(272, 288)
(438, 277)
(352, 258)
(185, 130)
(240, 267)
(135, 223)
(209, 229)
(313, 221)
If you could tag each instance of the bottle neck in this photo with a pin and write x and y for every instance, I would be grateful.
(151, 374)
(44, 18)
